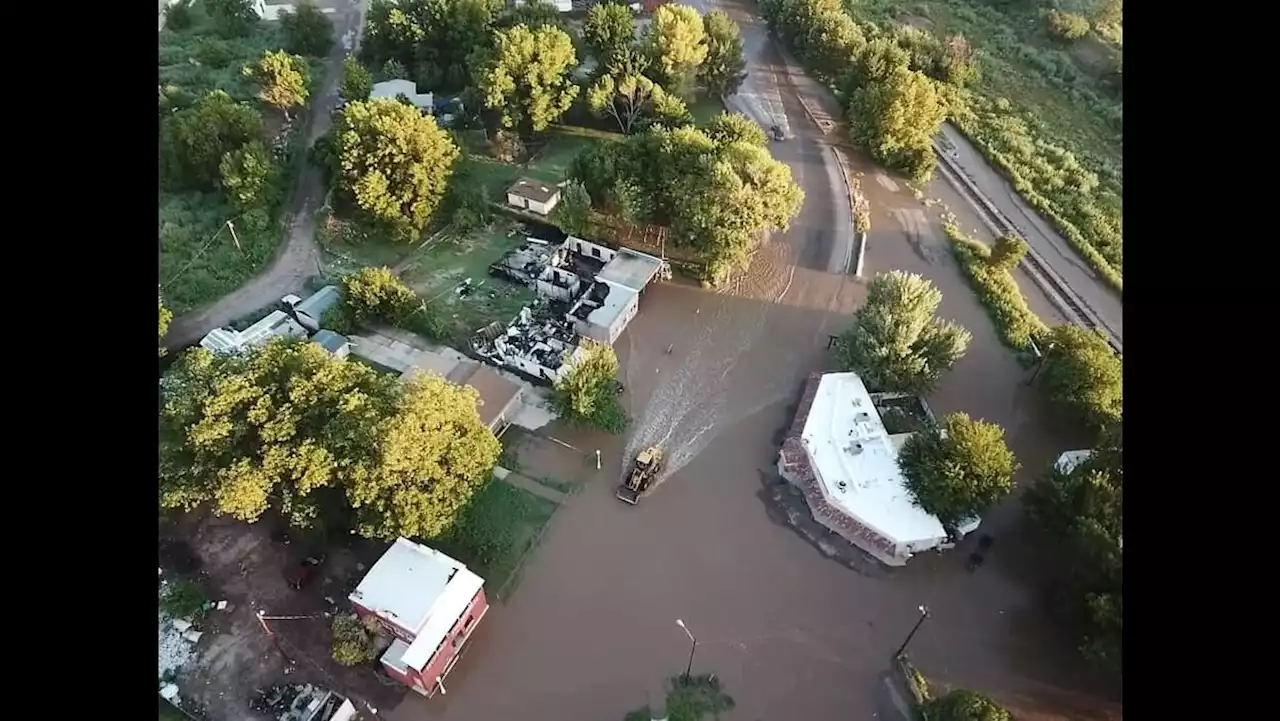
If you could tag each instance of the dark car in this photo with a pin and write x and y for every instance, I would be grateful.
(777, 133)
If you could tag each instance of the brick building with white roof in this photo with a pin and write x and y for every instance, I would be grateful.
(840, 455)
(430, 603)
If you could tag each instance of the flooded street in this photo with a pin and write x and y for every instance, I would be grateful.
(590, 634)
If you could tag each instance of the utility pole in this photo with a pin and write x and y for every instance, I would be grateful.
(924, 613)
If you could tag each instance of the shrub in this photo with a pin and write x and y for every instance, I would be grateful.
(1067, 26)
(377, 295)
(998, 292)
(352, 641)
(183, 599)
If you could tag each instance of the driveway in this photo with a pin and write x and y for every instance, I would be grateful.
(297, 260)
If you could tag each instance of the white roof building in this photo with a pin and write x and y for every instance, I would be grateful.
(277, 324)
(1068, 461)
(392, 89)
(422, 592)
(841, 456)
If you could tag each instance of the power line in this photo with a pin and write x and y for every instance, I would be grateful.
(208, 244)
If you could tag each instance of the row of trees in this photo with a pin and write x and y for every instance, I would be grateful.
(716, 188)
(288, 427)
(890, 81)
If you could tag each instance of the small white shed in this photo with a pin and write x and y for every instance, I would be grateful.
(537, 196)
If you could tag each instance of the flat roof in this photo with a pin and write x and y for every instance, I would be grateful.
(1068, 461)
(405, 583)
(318, 302)
(631, 269)
(612, 307)
(540, 191)
(496, 392)
(329, 340)
(444, 616)
(856, 462)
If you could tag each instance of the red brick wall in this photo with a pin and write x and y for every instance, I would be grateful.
(453, 642)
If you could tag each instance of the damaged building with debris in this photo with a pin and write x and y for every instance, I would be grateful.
(584, 290)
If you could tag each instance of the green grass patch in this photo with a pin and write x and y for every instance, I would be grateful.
(438, 270)
(705, 109)
(1043, 114)
(998, 292)
(494, 176)
(496, 529)
(167, 712)
(199, 259)
(551, 161)
(556, 485)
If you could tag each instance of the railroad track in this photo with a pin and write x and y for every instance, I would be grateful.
(1057, 289)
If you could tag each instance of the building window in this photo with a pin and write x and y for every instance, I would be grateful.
(595, 252)
(467, 624)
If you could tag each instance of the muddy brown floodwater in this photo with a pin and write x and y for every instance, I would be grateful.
(590, 633)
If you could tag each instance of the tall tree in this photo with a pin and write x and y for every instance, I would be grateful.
(735, 128)
(232, 18)
(722, 71)
(959, 469)
(306, 30)
(1109, 14)
(897, 120)
(376, 295)
(1082, 374)
(357, 82)
(1082, 510)
(526, 78)
(247, 174)
(633, 101)
(962, 705)
(165, 316)
(291, 428)
(573, 213)
(896, 342)
(609, 30)
(194, 139)
(587, 394)
(1007, 252)
(677, 43)
(282, 78)
(532, 14)
(393, 163)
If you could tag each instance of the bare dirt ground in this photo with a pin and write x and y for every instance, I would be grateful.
(793, 634)
(298, 258)
(244, 565)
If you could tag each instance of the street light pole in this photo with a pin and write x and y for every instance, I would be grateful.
(924, 613)
(688, 669)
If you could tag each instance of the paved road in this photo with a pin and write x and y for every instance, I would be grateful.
(298, 258)
(591, 629)
(1052, 247)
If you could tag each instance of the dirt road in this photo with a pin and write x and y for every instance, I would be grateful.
(592, 626)
(298, 258)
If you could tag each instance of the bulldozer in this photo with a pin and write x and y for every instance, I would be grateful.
(648, 464)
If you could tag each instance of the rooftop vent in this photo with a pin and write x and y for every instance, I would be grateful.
(856, 448)
(842, 486)
(862, 416)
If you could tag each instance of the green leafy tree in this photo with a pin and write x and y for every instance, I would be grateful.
(166, 315)
(1007, 252)
(956, 64)
(532, 14)
(961, 705)
(394, 70)
(377, 295)
(633, 101)
(587, 394)
(1109, 14)
(573, 213)
(232, 18)
(282, 79)
(289, 427)
(357, 82)
(435, 39)
(526, 78)
(1082, 374)
(677, 43)
(609, 30)
(728, 127)
(819, 31)
(959, 469)
(897, 120)
(1082, 510)
(177, 16)
(247, 174)
(393, 163)
(195, 139)
(896, 342)
(353, 644)
(1067, 27)
(306, 30)
(723, 70)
